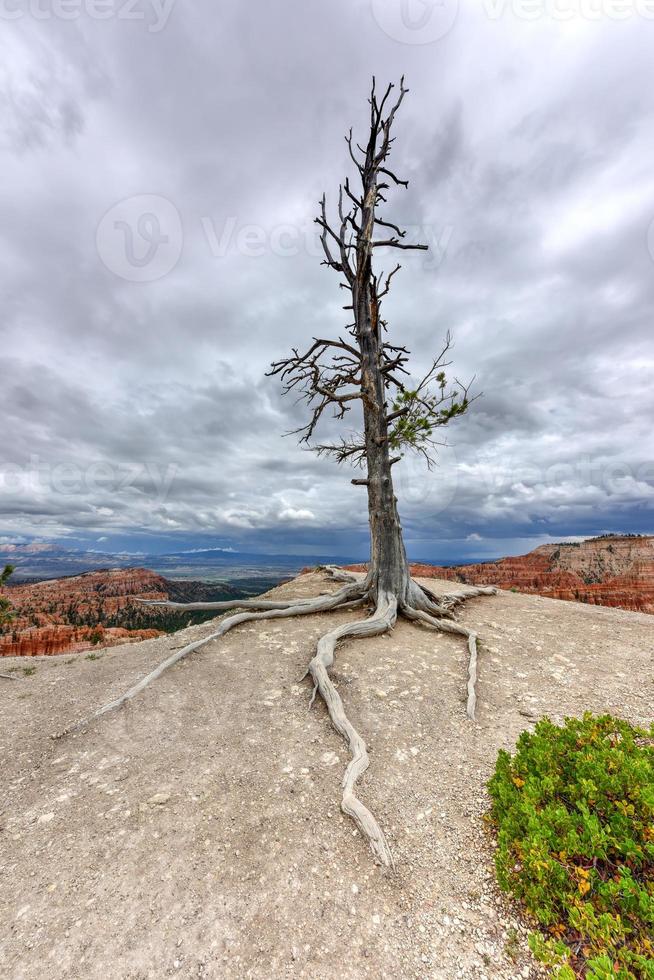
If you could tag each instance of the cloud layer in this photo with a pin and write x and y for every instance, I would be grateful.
(161, 174)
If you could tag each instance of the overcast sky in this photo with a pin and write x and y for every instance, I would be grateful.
(161, 167)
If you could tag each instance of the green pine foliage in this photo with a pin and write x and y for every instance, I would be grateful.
(6, 612)
(574, 813)
(422, 412)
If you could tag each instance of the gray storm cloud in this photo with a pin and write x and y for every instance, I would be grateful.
(161, 174)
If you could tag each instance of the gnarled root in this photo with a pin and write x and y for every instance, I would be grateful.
(354, 588)
(426, 610)
(382, 620)
(420, 605)
(340, 574)
(343, 599)
(446, 626)
(454, 599)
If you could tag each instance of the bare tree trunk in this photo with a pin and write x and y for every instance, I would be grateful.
(389, 569)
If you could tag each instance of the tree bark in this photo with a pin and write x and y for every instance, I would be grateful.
(389, 568)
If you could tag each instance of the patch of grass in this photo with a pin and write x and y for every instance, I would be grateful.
(92, 656)
(28, 671)
(574, 815)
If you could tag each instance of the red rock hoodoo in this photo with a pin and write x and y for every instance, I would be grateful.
(607, 571)
(66, 614)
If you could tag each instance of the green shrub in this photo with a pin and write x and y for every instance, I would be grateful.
(6, 611)
(574, 815)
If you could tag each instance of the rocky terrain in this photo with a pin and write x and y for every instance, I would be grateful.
(197, 833)
(79, 612)
(607, 571)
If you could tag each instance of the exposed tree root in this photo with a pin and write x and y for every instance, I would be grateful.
(450, 627)
(8, 677)
(381, 620)
(344, 598)
(454, 599)
(260, 605)
(340, 574)
(422, 606)
(471, 703)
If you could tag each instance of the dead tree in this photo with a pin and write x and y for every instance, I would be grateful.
(363, 368)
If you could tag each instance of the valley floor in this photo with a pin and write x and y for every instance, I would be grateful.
(197, 833)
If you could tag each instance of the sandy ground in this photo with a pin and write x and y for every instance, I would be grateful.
(197, 833)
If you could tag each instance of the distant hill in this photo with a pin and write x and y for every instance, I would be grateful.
(612, 570)
(78, 612)
(46, 561)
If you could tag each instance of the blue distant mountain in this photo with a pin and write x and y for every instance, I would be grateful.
(49, 561)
